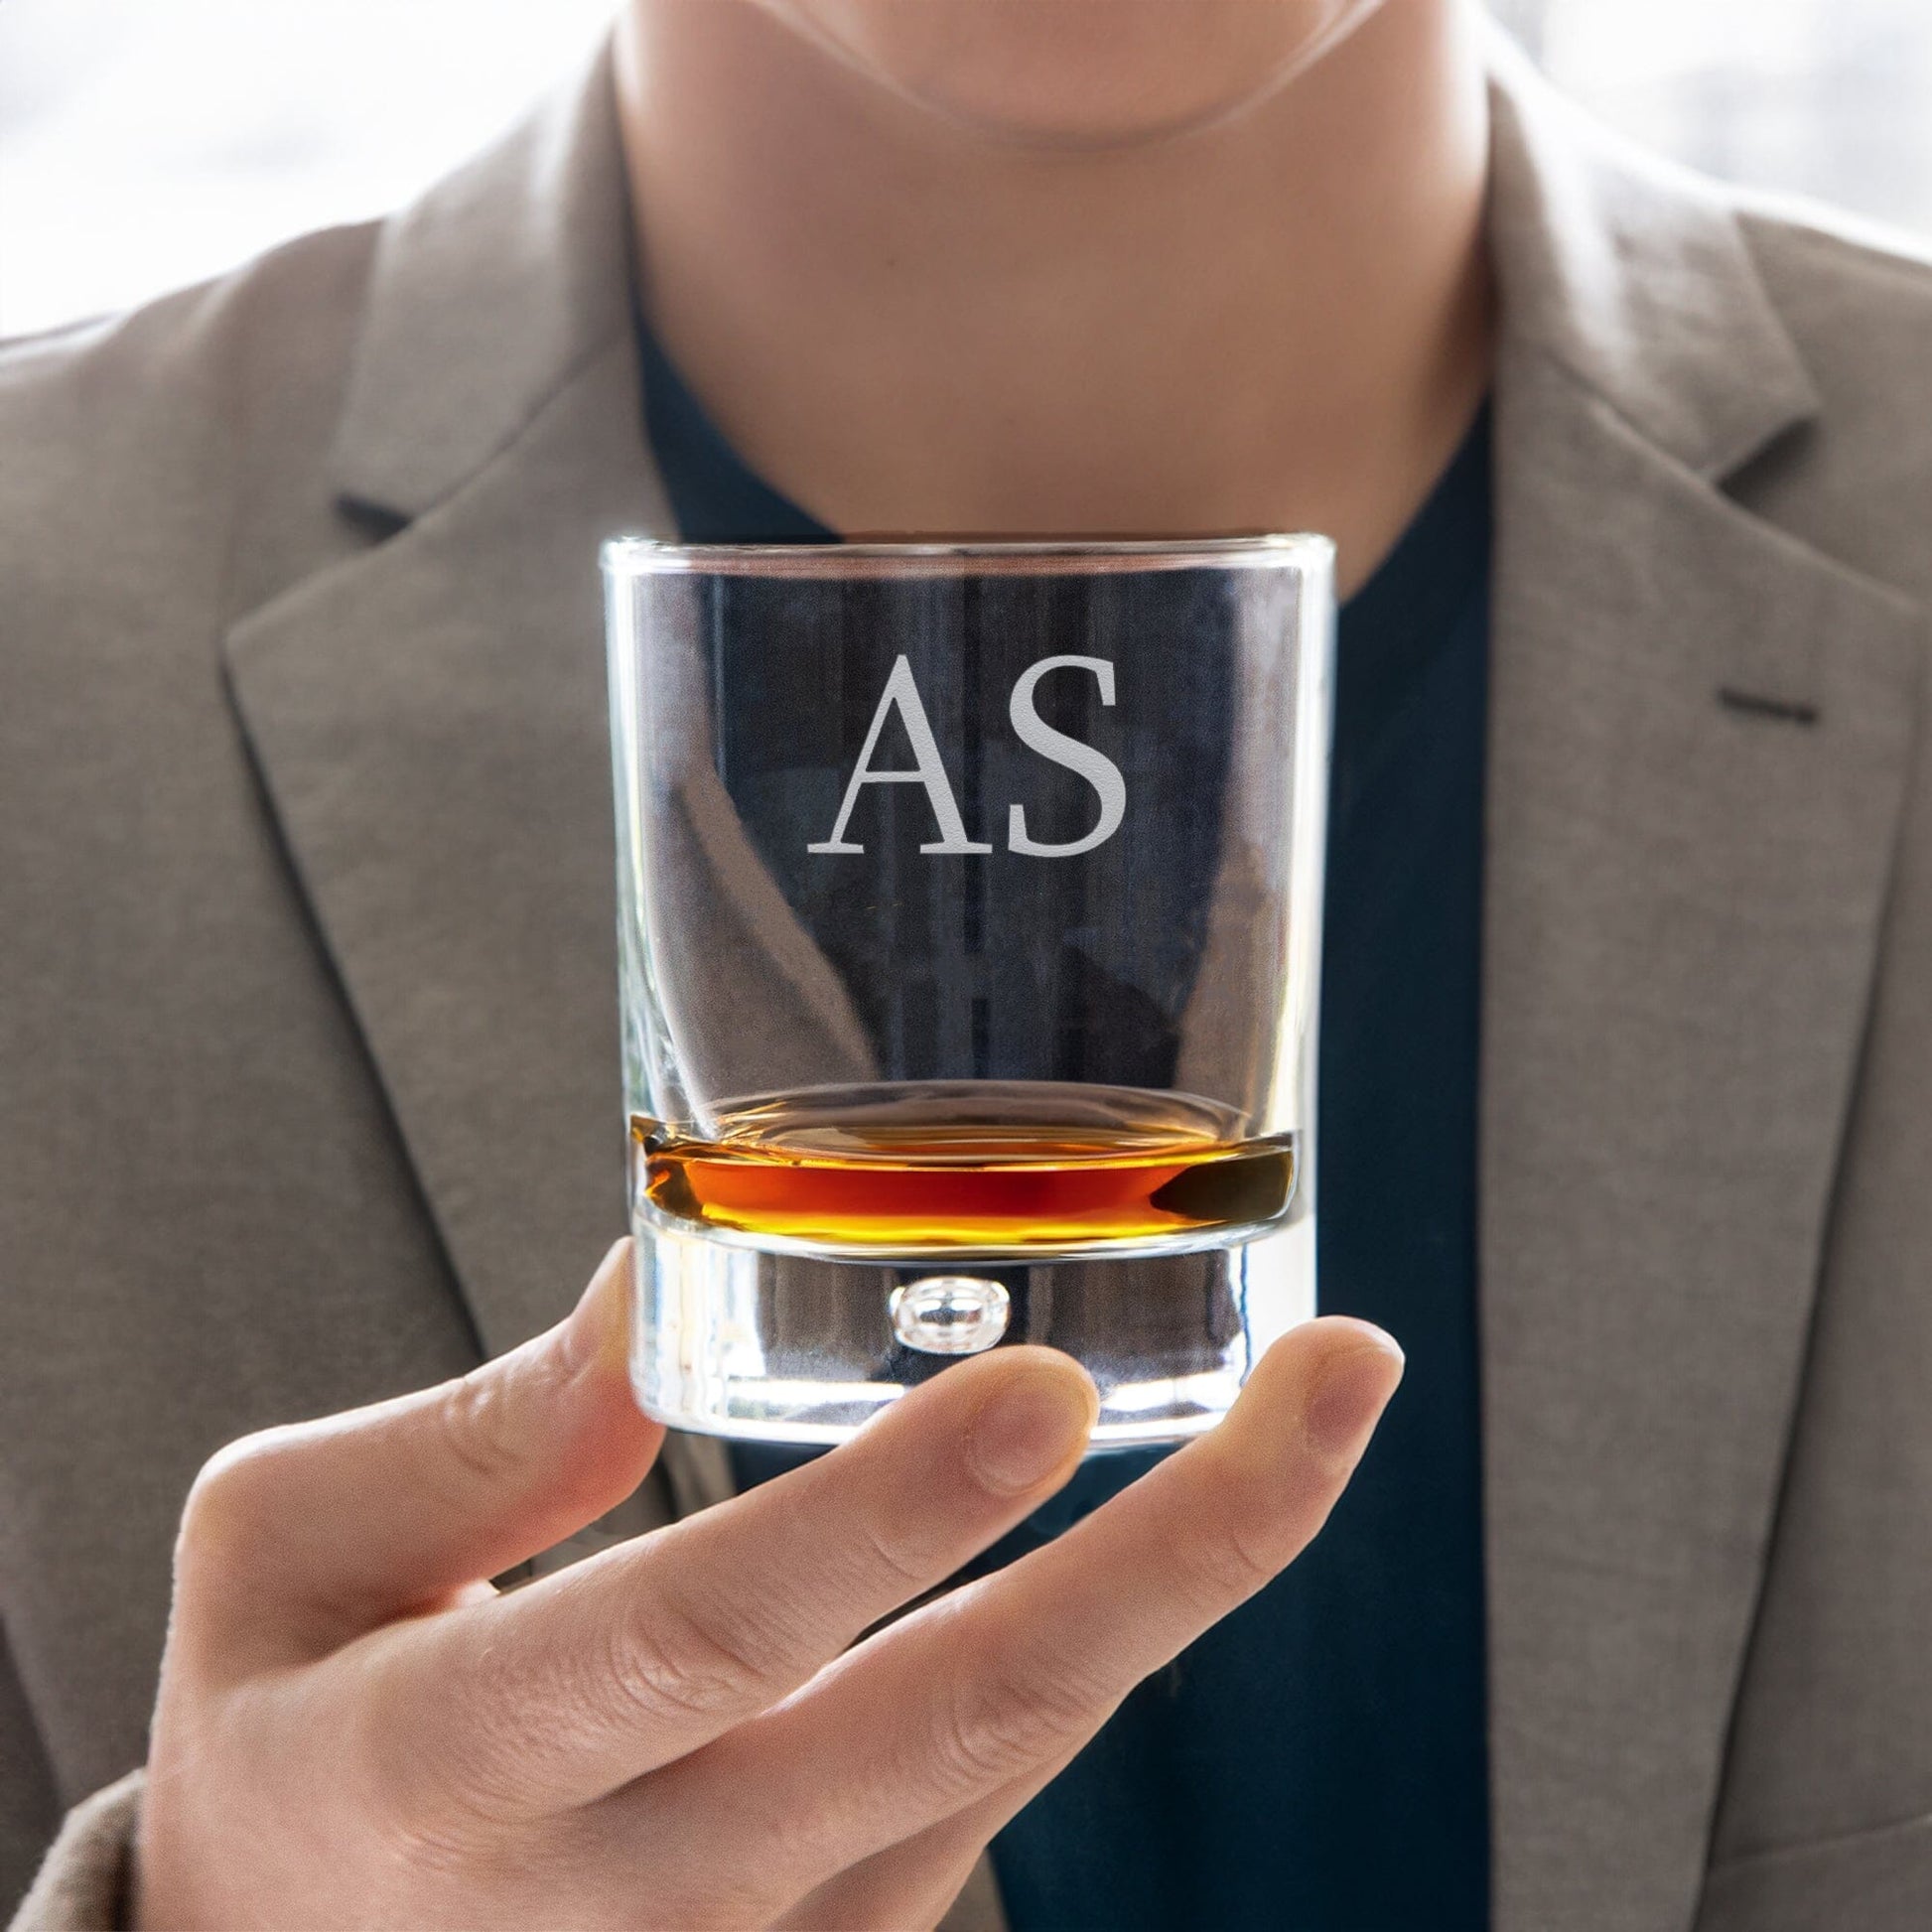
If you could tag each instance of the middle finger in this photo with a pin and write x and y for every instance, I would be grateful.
(567, 1689)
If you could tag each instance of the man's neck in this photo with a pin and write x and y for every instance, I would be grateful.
(910, 326)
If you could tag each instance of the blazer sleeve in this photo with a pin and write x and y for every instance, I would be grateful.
(30, 1802)
(83, 1885)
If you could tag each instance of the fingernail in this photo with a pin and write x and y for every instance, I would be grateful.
(1348, 1398)
(1030, 1429)
(597, 1329)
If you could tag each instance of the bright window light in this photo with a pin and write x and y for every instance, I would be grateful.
(148, 143)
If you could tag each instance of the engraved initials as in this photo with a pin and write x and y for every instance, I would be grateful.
(901, 695)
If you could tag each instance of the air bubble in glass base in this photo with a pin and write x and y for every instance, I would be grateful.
(731, 1341)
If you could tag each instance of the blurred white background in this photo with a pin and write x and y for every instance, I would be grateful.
(146, 143)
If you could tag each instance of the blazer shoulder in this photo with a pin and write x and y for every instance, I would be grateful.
(194, 428)
(1855, 298)
(317, 279)
(1849, 290)
(1829, 242)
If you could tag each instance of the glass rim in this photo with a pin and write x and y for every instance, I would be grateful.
(636, 556)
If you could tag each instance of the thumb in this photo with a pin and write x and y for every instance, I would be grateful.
(304, 1537)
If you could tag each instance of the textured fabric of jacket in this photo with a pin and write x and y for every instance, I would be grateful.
(308, 1052)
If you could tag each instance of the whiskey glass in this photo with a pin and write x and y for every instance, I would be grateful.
(969, 927)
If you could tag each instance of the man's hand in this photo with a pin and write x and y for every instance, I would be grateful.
(354, 1729)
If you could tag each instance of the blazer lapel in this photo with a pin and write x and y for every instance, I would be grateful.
(430, 723)
(429, 720)
(1697, 743)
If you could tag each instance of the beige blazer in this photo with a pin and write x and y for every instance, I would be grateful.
(307, 1050)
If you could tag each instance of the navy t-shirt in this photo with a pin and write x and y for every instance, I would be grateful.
(1316, 1762)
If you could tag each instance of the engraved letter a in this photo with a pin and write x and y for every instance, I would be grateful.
(927, 770)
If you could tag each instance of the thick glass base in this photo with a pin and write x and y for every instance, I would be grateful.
(731, 1340)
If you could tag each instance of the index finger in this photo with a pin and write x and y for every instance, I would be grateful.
(563, 1690)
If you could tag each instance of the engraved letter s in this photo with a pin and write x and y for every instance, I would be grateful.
(1099, 771)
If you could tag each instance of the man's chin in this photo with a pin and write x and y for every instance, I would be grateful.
(1077, 73)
